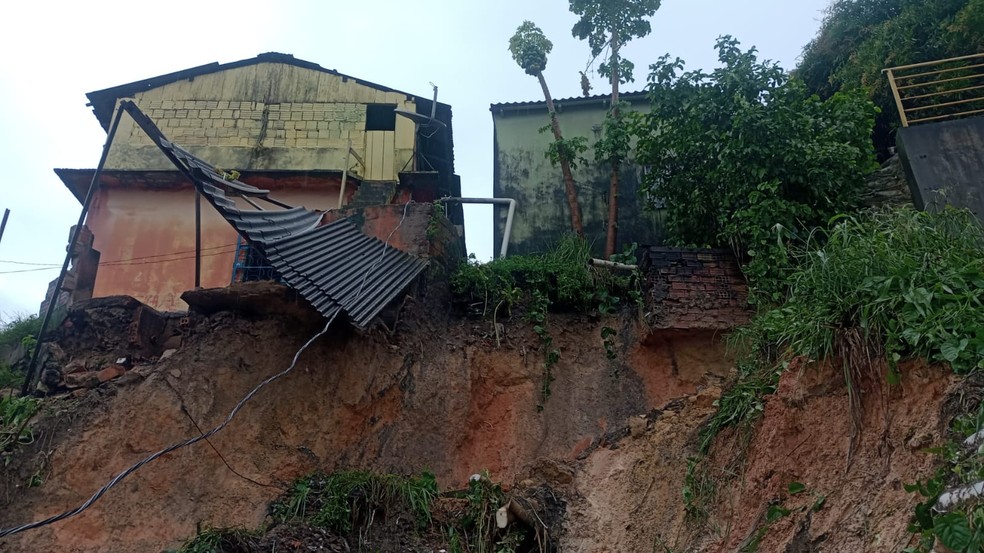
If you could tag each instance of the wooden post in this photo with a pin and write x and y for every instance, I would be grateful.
(198, 239)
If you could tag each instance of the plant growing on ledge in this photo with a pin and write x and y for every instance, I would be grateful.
(559, 280)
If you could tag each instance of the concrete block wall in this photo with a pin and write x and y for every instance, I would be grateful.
(251, 124)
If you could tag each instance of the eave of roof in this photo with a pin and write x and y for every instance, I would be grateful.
(575, 101)
(78, 180)
(103, 102)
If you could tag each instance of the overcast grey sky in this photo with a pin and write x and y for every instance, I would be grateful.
(55, 52)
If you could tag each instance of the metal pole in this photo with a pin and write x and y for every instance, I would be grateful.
(31, 368)
(198, 238)
(3, 225)
(341, 191)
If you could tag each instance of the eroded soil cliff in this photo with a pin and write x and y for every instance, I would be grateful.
(611, 441)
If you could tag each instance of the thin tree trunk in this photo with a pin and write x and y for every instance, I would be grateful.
(565, 164)
(612, 237)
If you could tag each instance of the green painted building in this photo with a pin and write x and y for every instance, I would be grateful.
(523, 172)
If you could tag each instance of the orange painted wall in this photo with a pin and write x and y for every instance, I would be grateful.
(147, 241)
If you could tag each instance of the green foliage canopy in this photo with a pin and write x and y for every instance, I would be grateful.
(859, 38)
(603, 22)
(745, 152)
(529, 48)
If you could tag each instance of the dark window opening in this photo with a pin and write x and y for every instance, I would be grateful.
(381, 117)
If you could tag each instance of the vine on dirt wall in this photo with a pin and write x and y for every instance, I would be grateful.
(535, 285)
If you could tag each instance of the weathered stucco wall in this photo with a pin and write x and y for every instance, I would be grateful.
(268, 116)
(523, 172)
(945, 163)
(150, 253)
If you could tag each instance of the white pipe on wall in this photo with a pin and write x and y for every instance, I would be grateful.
(494, 201)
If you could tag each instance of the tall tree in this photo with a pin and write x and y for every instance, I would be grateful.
(610, 24)
(746, 155)
(529, 47)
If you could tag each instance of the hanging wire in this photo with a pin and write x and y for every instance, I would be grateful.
(133, 468)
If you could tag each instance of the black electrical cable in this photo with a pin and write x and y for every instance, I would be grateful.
(204, 436)
(219, 453)
(119, 477)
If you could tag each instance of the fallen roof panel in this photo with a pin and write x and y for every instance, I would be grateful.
(335, 266)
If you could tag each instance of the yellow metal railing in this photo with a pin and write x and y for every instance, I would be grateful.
(938, 90)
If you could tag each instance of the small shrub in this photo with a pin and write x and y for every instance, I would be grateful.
(15, 414)
(485, 497)
(910, 282)
(348, 500)
(13, 331)
(214, 540)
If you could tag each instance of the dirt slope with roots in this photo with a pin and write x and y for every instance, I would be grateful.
(612, 440)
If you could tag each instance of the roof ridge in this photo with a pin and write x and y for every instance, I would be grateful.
(103, 101)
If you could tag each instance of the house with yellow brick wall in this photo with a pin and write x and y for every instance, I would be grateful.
(280, 123)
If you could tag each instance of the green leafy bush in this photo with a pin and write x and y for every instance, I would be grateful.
(13, 331)
(860, 38)
(745, 156)
(911, 282)
(21, 330)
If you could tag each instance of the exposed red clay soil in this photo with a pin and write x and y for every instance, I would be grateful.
(628, 497)
(437, 395)
(611, 443)
(804, 437)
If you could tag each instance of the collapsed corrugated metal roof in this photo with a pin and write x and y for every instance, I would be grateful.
(335, 267)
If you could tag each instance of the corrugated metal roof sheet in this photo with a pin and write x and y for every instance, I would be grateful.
(574, 100)
(335, 267)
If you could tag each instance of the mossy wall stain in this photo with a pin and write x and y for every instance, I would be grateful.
(523, 172)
